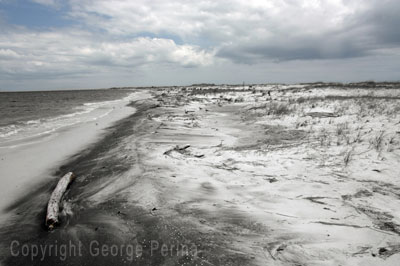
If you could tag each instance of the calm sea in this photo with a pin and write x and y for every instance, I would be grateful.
(27, 113)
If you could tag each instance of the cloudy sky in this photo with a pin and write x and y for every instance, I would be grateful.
(51, 44)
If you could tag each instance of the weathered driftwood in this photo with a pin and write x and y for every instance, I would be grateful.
(177, 148)
(53, 207)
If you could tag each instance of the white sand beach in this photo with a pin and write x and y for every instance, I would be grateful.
(26, 162)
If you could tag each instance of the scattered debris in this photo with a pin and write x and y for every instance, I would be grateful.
(281, 248)
(385, 252)
(341, 224)
(363, 193)
(321, 114)
(363, 250)
(316, 200)
(183, 150)
(271, 180)
(177, 148)
(224, 166)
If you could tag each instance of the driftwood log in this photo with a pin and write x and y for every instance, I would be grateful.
(177, 148)
(53, 207)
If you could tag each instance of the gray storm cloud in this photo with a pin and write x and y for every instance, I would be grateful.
(250, 31)
(114, 37)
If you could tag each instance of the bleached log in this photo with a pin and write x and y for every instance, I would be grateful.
(53, 207)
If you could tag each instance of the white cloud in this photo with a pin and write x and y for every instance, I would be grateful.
(229, 19)
(250, 29)
(8, 54)
(47, 2)
(71, 52)
(124, 37)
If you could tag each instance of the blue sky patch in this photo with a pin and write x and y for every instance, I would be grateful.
(33, 15)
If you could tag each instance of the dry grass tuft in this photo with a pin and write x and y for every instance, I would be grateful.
(377, 141)
(278, 109)
(348, 156)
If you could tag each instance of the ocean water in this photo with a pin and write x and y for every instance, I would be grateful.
(31, 114)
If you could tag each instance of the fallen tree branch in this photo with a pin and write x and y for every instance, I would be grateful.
(53, 207)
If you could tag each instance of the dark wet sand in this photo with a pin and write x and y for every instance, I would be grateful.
(110, 223)
(117, 221)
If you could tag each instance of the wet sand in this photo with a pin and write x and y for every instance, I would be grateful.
(223, 177)
(27, 161)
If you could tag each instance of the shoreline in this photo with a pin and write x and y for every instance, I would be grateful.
(29, 211)
(23, 170)
(243, 178)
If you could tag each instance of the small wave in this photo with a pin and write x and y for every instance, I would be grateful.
(57, 118)
(9, 133)
(36, 128)
(105, 102)
(30, 122)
